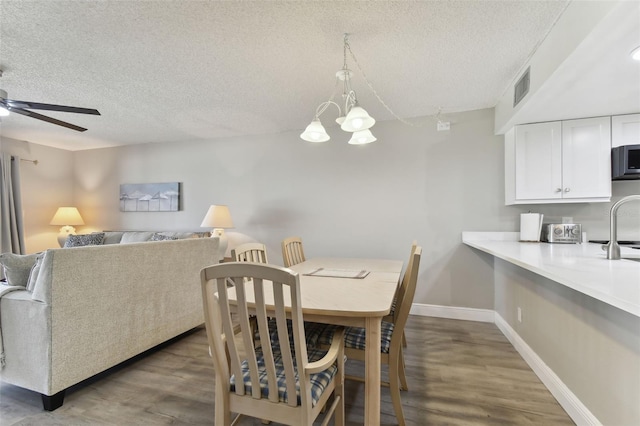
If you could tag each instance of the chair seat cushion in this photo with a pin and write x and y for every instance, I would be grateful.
(312, 331)
(319, 381)
(393, 307)
(355, 337)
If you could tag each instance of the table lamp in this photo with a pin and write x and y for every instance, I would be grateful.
(218, 218)
(67, 217)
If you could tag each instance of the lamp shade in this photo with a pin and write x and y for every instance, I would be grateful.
(315, 132)
(357, 119)
(67, 216)
(217, 217)
(362, 137)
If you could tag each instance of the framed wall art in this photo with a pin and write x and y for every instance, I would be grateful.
(150, 197)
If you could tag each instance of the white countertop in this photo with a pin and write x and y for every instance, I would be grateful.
(582, 267)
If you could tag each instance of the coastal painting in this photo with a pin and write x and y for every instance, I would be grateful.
(150, 197)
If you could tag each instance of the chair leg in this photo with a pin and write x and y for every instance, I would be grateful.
(338, 391)
(339, 414)
(222, 414)
(401, 372)
(394, 388)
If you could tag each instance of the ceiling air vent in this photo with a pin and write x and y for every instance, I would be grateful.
(521, 88)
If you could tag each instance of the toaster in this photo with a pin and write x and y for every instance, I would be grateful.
(569, 233)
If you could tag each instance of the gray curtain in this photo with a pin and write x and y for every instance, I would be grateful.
(11, 229)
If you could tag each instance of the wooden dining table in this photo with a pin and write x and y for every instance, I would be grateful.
(328, 297)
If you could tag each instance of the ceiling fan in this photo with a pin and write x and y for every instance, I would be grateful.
(22, 107)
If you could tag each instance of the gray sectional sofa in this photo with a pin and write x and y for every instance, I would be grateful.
(94, 307)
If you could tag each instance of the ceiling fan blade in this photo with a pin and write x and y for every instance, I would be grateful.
(50, 107)
(47, 119)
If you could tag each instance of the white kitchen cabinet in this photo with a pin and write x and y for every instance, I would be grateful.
(625, 130)
(559, 162)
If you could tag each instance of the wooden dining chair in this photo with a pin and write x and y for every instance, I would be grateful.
(250, 252)
(389, 317)
(292, 251)
(279, 379)
(391, 337)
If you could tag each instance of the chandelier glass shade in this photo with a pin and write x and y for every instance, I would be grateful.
(315, 132)
(357, 119)
(351, 117)
(362, 137)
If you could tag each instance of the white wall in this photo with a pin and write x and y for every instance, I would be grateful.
(45, 187)
(343, 200)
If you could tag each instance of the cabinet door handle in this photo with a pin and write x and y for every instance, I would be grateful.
(567, 189)
(558, 189)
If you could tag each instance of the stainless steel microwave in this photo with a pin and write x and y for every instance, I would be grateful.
(625, 162)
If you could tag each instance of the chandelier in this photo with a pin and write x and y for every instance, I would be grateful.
(351, 116)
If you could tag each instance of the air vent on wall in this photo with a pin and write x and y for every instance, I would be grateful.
(521, 88)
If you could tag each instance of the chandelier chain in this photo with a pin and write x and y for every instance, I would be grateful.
(373, 90)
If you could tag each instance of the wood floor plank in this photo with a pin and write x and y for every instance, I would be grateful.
(459, 373)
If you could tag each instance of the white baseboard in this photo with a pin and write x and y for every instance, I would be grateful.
(452, 312)
(578, 412)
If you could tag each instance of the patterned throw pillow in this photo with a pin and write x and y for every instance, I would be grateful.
(94, 239)
(161, 237)
(17, 267)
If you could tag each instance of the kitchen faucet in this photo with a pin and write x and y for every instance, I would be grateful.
(612, 248)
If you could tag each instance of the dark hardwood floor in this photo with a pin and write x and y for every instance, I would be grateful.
(459, 373)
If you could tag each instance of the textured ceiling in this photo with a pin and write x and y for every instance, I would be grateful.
(163, 71)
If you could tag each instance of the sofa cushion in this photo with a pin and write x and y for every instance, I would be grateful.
(162, 237)
(135, 237)
(95, 239)
(17, 267)
(35, 271)
(112, 237)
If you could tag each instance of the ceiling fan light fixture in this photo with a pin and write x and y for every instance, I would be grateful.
(315, 132)
(362, 137)
(24, 108)
(357, 119)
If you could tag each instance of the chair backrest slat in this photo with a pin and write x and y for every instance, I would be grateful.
(285, 348)
(266, 346)
(227, 328)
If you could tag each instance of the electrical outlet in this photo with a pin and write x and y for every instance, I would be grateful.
(444, 125)
(519, 314)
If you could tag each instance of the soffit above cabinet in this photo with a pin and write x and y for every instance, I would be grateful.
(597, 77)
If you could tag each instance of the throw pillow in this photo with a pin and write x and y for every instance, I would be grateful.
(112, 237)
(135, 237)
(17, 267)
(162, 237)
(94, 239)
(35, 270)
